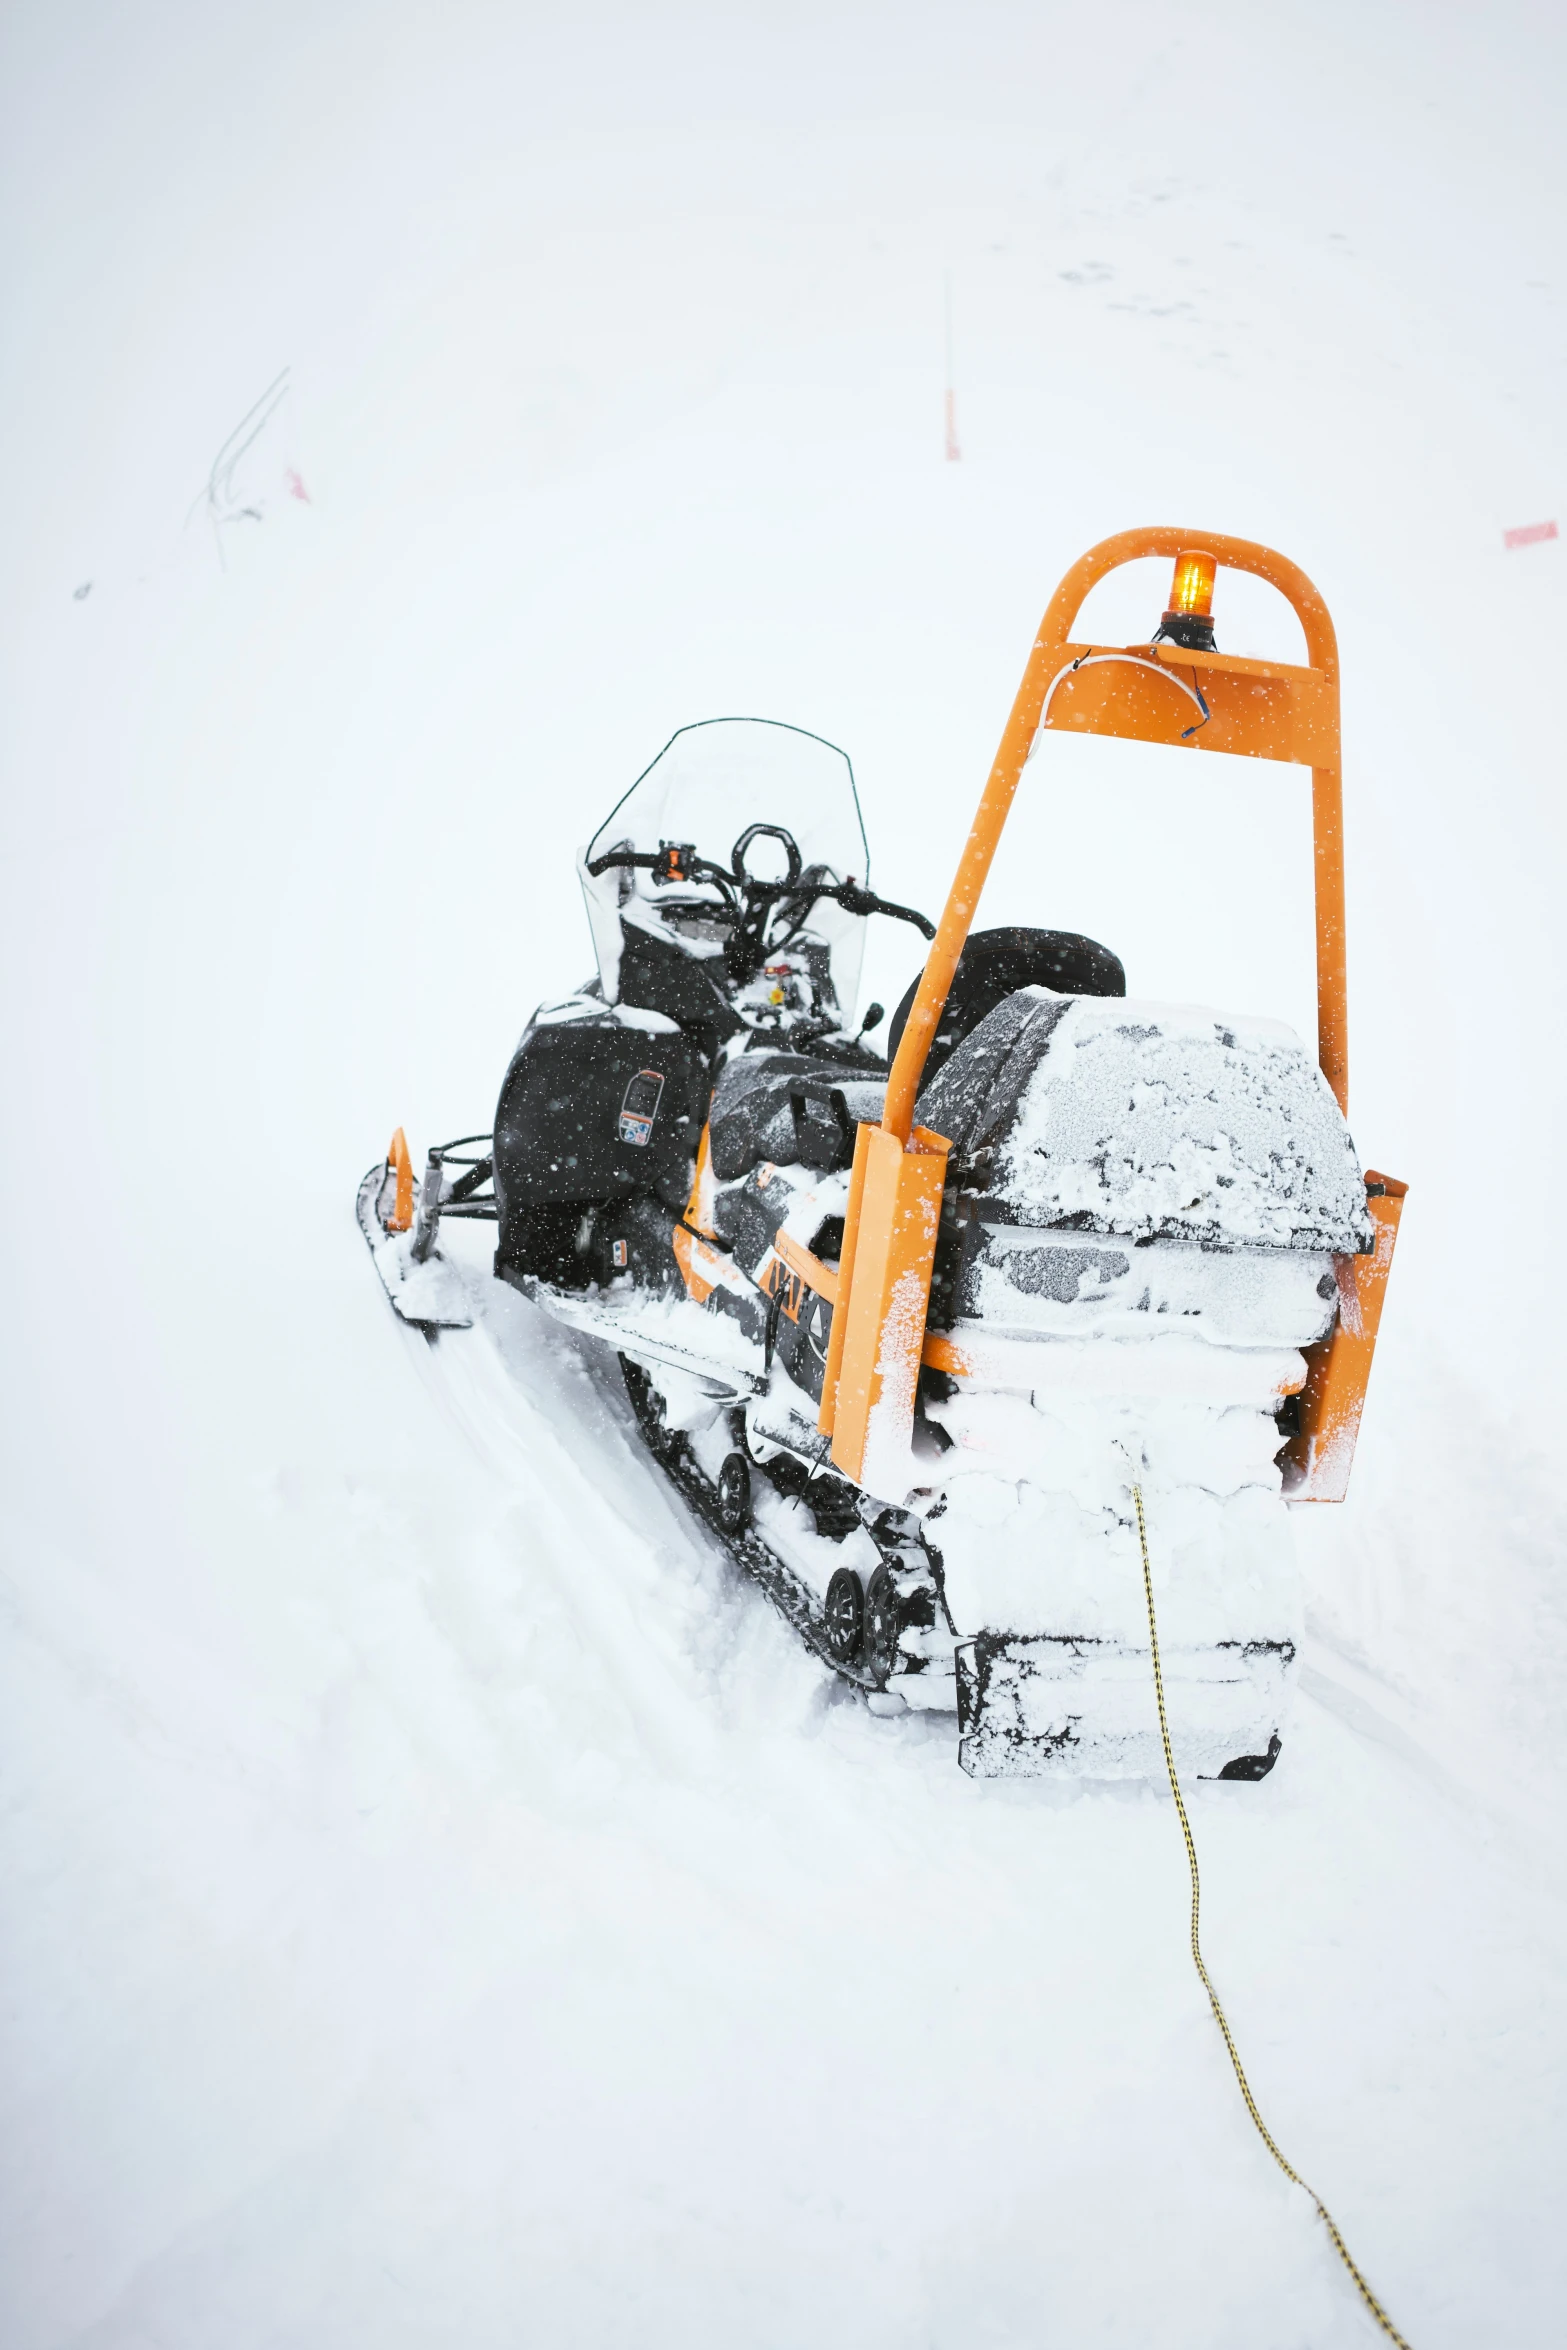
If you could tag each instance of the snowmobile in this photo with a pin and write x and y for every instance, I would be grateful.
(906, 1330)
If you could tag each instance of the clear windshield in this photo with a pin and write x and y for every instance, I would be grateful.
(708, 784)
(710, 781)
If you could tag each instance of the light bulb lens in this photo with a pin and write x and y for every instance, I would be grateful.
(1191, 591)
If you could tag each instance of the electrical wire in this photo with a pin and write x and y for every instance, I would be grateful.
(1093, 660)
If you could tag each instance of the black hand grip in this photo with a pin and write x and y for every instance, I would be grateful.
(855, 900)
(598, 865)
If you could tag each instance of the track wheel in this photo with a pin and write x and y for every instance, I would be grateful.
(884, 1620)
(845, 1611)
(646, 1403)
(734, 1494)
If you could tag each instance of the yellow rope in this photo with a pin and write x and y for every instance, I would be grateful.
(1323, 2213)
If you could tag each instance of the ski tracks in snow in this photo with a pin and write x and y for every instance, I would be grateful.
(633, 1593)
(685, 1644)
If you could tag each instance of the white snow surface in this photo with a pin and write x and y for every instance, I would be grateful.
(443, 1904)
(1038, 1536)
(1060, 1282)
(1170, 1120)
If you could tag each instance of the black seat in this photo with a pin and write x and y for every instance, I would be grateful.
(995, 964)
(793, 1110)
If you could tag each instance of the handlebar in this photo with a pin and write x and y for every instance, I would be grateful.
(674, 861)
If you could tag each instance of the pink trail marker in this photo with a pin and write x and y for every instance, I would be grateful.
(297, 489)
(953, 451)
(1529, 534)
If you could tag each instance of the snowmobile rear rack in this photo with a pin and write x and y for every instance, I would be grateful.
(1259, 709)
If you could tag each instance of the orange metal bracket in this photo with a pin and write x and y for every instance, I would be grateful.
(1316, 1462)
(873, 1348)
(1259, 709)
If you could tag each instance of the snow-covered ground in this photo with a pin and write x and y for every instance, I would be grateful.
(441, 1904)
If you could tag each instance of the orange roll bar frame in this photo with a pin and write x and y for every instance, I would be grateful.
(1309, 695)
(1258, 709)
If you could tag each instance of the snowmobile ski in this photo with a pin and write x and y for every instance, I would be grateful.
(424, 1289)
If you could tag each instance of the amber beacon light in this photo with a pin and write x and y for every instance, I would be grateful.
(1189, 620)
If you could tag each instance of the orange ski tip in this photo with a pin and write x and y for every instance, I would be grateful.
(401, 1165)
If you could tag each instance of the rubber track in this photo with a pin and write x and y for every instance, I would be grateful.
(795, 1603)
